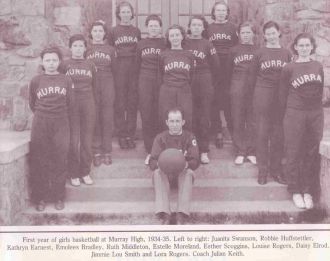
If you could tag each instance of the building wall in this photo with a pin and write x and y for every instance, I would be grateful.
(27, 26)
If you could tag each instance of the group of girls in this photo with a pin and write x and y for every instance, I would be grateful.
(215, 67)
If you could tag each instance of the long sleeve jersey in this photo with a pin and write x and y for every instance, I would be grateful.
(147, 55)
(176, 67)
(222, 36)
(186, 142)
(239, 60)
(266, 67)
(51, 95)
(205, 55)
(301, 85)
(103, 56)
(82, 73)
(124, 38)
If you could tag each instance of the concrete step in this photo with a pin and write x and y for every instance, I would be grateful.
(138, 207)
(135, 168)
(227, 152)
(124, 190)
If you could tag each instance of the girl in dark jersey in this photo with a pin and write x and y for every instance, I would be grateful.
(239, 60)
(176, 74)
(266, 67)
(148, 51)
(51, 101)
(222, 34)
(83, 75)
(206, 71)
(104, 58)
(124, 37)
(302, 83)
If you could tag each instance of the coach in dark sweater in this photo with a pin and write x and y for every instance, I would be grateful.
(174, 137)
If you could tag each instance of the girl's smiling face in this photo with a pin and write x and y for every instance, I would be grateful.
(220, 13)
(304, 47)
(50, 62)
(196, 27)
(154, 28)
(175, 37)
(246, 35)
(98, 34)
(78, 49)
(125, 14)
(272, 36)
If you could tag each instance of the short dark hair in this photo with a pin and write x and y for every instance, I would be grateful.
(77, 37)
(174, 110)
(153, 17)
(174, 26)
(303, 36)
(51, 49)
(246, 24)
(121, 4)
(219, 3)
(98, 23)
(270, 24)
(205, 24)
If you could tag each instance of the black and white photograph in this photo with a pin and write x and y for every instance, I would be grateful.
(165, 114)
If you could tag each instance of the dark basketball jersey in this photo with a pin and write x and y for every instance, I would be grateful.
(186, 143)
(51, 95)
(302, 85)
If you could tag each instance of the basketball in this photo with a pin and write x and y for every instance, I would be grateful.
(171, 161)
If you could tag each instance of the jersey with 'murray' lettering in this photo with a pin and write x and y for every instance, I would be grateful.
(82, 73)
(266, 67)
(176, 67)
(222, 36)
(239, 60)
(124, 38)
(51, 95)
(205, 55)
(147, 54)
(103, 56)
(302, 85)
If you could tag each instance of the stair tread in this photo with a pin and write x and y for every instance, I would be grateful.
(198, 182)
(102, 207)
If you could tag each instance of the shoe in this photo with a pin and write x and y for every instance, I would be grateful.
(205, 158)
(107, 159)
(252, 159)
(75, 182)
(130, 143)
(123, 143)
(59, 205)
(308, 199)
(239, 160)
(219, 142)
(298, 200)
(41, 206)
(279, 179)
(146, 161)
(262, 179)
(97, 160)
(164, 217)
(181, 218)
(87, 180)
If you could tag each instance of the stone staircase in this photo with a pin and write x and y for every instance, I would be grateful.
(124, 189)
